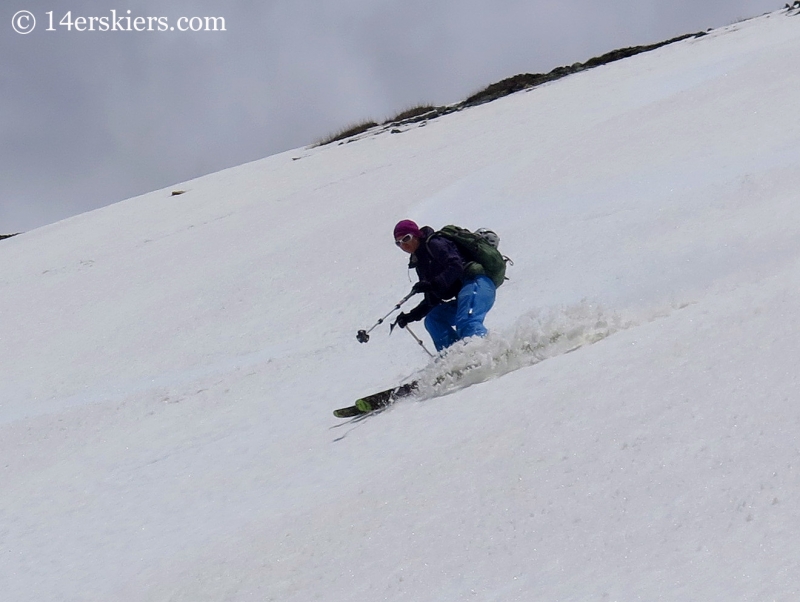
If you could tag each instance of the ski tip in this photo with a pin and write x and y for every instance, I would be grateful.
(348, 412)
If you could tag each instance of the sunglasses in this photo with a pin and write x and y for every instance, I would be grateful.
(405, 240)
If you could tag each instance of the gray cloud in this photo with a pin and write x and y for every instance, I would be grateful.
(90, 118)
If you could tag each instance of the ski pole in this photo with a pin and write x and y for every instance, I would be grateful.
(418, 340)
(363, 335)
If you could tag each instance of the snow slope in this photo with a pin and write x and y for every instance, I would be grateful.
(169, 365)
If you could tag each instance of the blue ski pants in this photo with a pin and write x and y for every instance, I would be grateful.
(463, 316)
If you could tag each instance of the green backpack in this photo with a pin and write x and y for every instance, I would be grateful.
(480, 250)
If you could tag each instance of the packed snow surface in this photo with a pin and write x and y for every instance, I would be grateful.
(628, 431)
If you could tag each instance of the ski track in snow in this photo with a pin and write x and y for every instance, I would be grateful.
(538, 335)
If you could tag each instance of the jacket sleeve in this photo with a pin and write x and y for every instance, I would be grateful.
(421, 310)
(448, 260)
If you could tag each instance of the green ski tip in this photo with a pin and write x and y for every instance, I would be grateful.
(347, 412)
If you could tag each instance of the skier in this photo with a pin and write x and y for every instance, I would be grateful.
(458, 293)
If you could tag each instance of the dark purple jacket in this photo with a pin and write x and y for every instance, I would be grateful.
(438, 262)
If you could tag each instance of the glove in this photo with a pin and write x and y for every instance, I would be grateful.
(421, 287)
(403, 320)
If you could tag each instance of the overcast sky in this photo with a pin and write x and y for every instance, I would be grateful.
(90, 118)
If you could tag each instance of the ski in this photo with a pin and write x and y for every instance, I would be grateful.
(376, 401)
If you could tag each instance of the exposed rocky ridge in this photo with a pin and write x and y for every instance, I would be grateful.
(504, 87)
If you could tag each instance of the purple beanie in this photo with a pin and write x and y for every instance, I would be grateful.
(406, 227)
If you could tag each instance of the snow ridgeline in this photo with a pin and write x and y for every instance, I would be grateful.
(538, 335)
